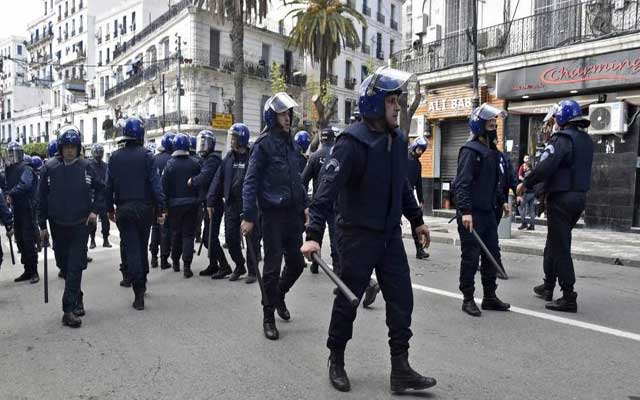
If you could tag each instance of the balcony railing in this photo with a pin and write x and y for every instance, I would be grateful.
(40, 39)
(380, 54)
(333, 79)
(152, 27)
(366, 49)
(380, 17)
(148, 72)
(366, 10)
(394, 25)
(350, 83)
(553, 29)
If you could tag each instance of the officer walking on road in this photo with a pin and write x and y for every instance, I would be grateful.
(367, 175)
(161, 234)
(133, 187)
(274, 180)
(6, 218)
(416, 149)
(97, 153)
(182, 202)
(20, 195)
(564, 170)
(476, 188)
(70, 195)
(228, 183)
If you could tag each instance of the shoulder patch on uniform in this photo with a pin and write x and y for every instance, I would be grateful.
(333, 164)
(550, 148)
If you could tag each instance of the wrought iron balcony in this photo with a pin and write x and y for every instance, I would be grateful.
(366, 49)
(366, 10)
(350, 83)
(394, 25)
(380, 17)
(333, 79)
(547, 30)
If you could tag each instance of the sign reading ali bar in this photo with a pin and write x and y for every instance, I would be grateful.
(601, 71)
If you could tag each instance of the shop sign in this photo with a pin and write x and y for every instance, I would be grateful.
(222, 121)
(451, 101)
(602, 71)
(451, 104)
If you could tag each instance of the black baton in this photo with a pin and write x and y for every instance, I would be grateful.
(254, 259)
(500, 272)
(344, 289)
(13, 257)
(46, 272)
(202, 241)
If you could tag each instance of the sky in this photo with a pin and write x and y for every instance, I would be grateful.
(16, 14)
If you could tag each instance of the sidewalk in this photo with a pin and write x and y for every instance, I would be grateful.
(606, 247)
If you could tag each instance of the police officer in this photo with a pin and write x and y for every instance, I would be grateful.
(193, 144)
(564, 170)
(274, 179)
(36, 163)
(476, 189)
(69, 196)
(20, 195)
(161, 234)
(303, 139)
(313, 172)
(227, 184)
(133, 187)
(97, 153)
(367, 174)
(182, 201)
(414, 175)
(6, 217)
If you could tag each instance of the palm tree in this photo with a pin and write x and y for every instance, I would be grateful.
(322, 30)
(240, 12)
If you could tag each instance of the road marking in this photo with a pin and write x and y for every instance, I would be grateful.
(542, 315)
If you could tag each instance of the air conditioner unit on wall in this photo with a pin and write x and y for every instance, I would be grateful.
(417, 127)
(434, 33)
(608, 118)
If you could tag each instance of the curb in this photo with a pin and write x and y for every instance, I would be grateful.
(618, 262)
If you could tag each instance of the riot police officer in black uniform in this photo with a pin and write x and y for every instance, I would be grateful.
(416, 149)
(564, 170)
(182, 201)
(70, 195)
(476, 189)
(20, 195)
(367, 174)
(6, 216)
(227, 184)
(97, 153)
(274, 179)
(133, 187)
(313, 171)
(161, 234)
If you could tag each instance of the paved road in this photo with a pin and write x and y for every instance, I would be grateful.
(202, 339)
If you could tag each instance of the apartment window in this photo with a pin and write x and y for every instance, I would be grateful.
(38, 132)
(60, 32)
(82, 129)
(347, 112)
(379, 52)
(133, 21)
(391, 47)
(73, 27)
(364, 72)
(124, 24)
(281, 27)
(19, 49)
(102, 87)
(80, 29)
(347, 72)
(94, 130)
(60, 12)
(393, 12)
(115, 28)
(66, 8)
(458, 16)
(106, 83)
(364, 37)
(108, 55)
(100, 57)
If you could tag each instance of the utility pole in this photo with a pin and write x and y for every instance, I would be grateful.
(163, 110)
(474, 43)
(179, 81)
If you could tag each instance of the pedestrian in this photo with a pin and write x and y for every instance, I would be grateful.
(273, 183)
(565, 171)
(20, 194)
(97, 154)
(417, 148)
(526, 160)
(70, 196)
(161, 234)
(133, 193)
(227, 184)
(218, 267)
(476, 187)
(527, 204)
(366, 177)
(182, 202)
(313, 171)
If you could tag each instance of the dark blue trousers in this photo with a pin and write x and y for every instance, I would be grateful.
(134, 223)
(361, 251)
(484, 224)
(71, 254)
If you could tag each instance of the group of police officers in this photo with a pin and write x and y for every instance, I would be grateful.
(363, 183)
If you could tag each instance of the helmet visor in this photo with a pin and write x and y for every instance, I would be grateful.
(487, 112)
(204, 144)
(280, 103)
(551, 112)
(391, 80)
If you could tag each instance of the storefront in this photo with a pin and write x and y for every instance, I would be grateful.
(604, 86)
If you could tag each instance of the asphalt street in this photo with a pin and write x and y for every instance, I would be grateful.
(202, 339)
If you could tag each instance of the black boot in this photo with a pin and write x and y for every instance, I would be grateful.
(313, 268)
(187, 271)
(164, 263)
(251, 278)
(154, 261)
(92, 245)
(35, 278)
(337, 374)
(370, 294)
(566, 303)
(522, 227)
(79, 311)
(491, 302)
(125, 282)
(176, 265)
(469, 304)
(71, 320)
(24, 277)
(105, 242)
(544, 291)
(61, 274)
(282, 310)
(403, 377)
(237, 273)
(421, 254)
(222, 273)
(138, 302)
(210, 270)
